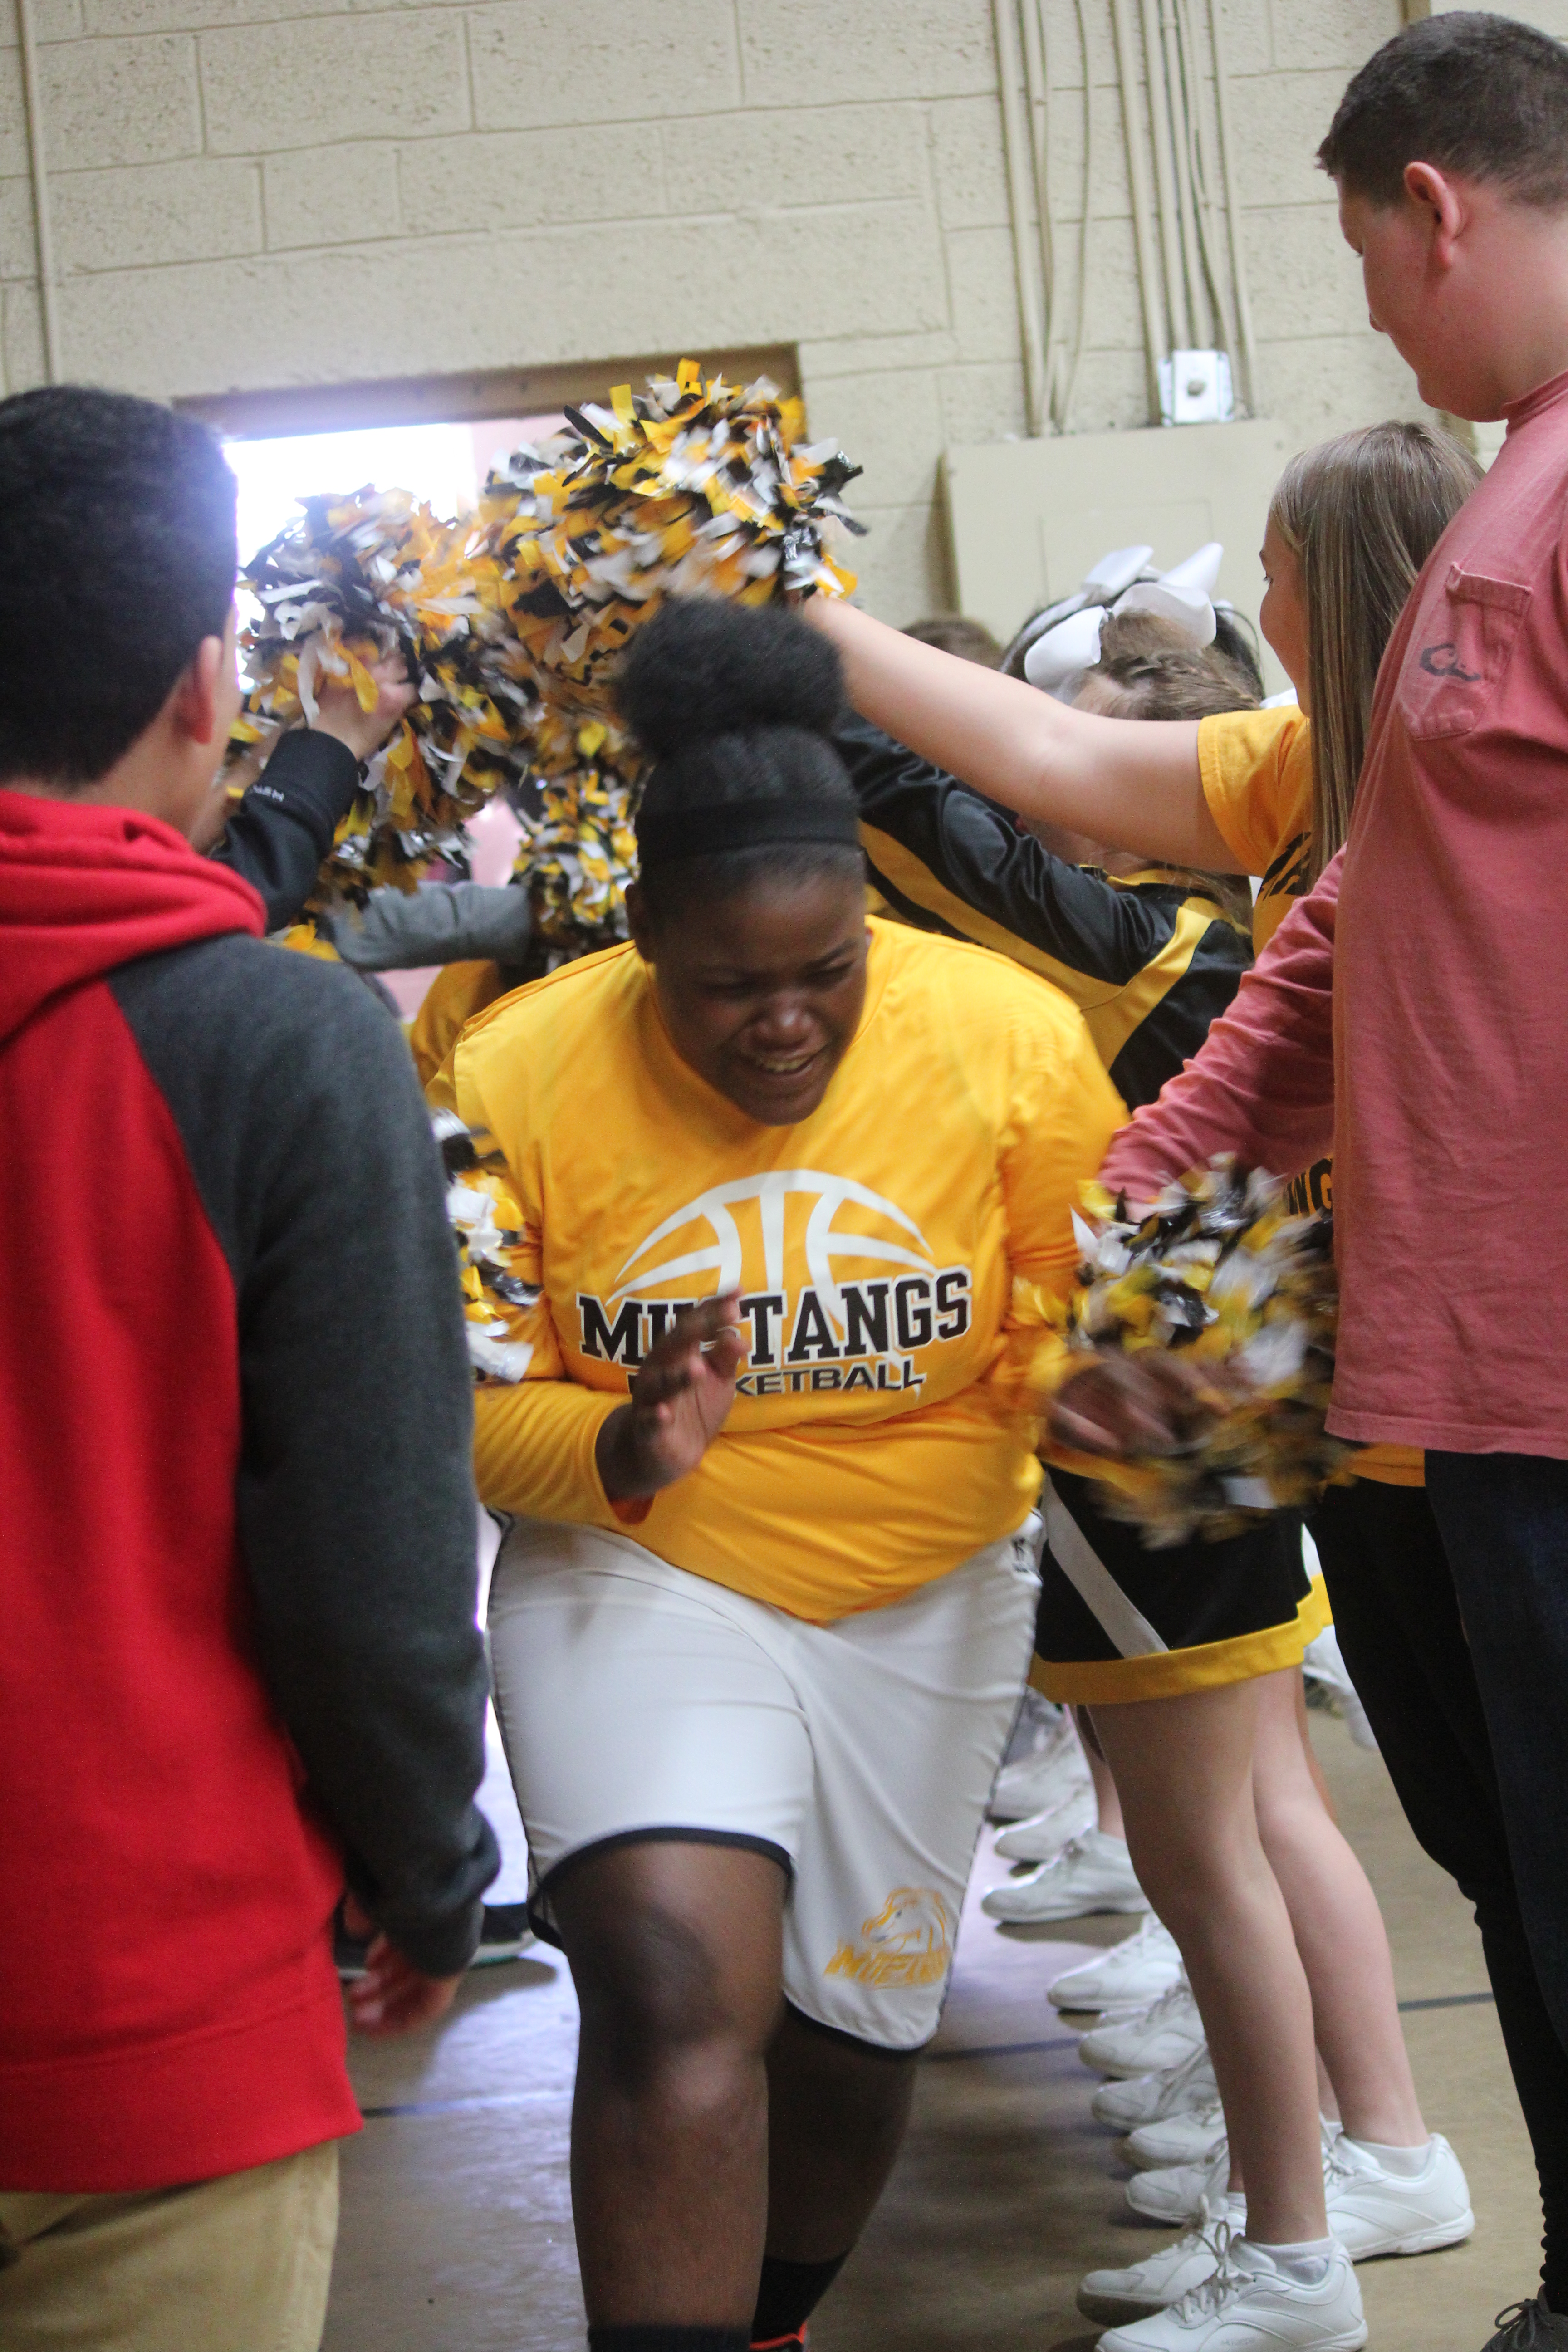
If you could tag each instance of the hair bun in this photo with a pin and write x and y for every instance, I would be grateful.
(703, 667)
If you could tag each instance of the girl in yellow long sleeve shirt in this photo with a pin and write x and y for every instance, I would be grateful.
(795, 1193)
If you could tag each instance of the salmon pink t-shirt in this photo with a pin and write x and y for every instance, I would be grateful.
(1451, 987)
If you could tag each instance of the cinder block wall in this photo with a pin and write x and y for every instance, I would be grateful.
(253, 194)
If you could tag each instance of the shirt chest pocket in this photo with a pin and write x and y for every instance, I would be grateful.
(1458, 653)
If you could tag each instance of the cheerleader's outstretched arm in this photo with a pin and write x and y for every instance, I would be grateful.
(1134, 787)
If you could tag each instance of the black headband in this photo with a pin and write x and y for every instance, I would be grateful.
(715, 828)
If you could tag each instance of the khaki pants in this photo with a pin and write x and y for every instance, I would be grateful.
(240, 2264)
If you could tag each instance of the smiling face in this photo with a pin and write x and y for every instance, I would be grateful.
(1282, 615)
(763, 989)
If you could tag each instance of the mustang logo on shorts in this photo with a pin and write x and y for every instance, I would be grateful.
(908, 1943)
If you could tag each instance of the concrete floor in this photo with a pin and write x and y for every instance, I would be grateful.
(456, 2230)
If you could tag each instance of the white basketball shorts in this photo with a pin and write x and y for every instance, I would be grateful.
(638, 1699)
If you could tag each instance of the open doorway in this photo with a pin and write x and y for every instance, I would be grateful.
(443, 465)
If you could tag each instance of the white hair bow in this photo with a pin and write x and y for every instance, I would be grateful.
(1064, 640)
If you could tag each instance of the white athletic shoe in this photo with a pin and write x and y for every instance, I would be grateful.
(1042, 1837)
(1149, 2098)
(1190, 2137)
(1138, 1970)
(1160, 2279)
(1092, 1873)
(1057, 1768)
(1248, 2303)
(1181, 2193)
(1372, 2212)
(1162, 2035)
(1036, 1715)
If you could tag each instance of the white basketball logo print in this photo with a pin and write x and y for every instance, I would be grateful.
(822, 1242)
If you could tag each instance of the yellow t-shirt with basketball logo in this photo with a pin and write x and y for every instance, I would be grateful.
(1257, 771)
(895, 1254)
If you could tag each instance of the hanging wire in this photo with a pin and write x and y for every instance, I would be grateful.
(1156, 342)
(1205, 175)
(1016, 147)
(1166, 166)
(1245, 346)
(1085, 226)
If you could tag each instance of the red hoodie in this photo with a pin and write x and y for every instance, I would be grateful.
(168, 2006)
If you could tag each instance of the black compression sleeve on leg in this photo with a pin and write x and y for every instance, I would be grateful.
(788, 2293)
(669, 2340)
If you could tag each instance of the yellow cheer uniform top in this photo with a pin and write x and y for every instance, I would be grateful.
(1256, 770)
(897, 1254)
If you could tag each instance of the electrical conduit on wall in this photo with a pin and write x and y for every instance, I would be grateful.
(1192, 273)
(1050, 375)
(43, 234)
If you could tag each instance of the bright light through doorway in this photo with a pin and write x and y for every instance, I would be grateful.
(442, 464)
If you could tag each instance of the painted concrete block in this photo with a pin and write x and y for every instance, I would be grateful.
(858, 355)
(984, 293)
(902, 564)
(769, 157)
(970, 169)
(1341, 33)
(1280, 119)
(822, 52)
(130, 102)
(12, 117)
(123, 219)
(19, 245)
(333, 195)
(891, 424)
(273, 87)
(22, 336)
(535, 64)
(983, 402)
(527, 179)
(195, 15)
(518, 296)
(1304, 278)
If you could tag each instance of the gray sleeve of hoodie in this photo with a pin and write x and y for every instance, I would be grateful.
(440, 922)
(303, 1123)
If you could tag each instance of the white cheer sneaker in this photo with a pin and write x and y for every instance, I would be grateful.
(1162, 2035)
(1160, 2279)
(1057, 1768)
(1192, 2137)
(1092, 1873)
(1251, 2304)
(1139, 1968)
(1372, 2210)
(1149, 2098)
(1375, 2212)
(1182, 2192)
(1042, 1837)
